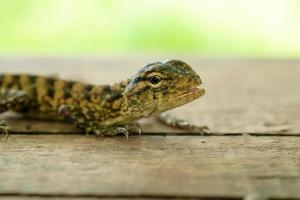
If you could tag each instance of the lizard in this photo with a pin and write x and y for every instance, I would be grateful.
(104, 110)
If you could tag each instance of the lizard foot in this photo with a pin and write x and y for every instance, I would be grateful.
(111, 131)
(182, 124)
(4, 129)
(135, 128)
(116, 130)
(122, 130)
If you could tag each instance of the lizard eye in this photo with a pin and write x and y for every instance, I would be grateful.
(155, 80)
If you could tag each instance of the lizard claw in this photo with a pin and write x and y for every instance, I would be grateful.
(201, 129)
(139, 129)
(134, 127)
(4, 129)
(124, 131)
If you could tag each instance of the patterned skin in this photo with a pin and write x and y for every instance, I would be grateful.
(104, 109)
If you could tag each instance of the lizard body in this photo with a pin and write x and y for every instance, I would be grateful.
(102, 109)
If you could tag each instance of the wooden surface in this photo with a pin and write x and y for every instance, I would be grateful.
(253, 151)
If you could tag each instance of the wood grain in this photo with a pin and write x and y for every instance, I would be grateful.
(183, 166)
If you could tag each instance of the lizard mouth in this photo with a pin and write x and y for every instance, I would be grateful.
(169, 102)
(196, 91)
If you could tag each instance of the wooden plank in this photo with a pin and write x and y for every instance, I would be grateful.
(82, 198)
(252, 96)
(260, 97)
(157, 166)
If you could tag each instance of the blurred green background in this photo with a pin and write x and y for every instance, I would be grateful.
(252, 28)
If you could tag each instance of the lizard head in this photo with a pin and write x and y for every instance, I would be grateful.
(161, 86)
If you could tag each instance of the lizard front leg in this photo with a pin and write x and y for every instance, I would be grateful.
(75, 115)
(181, 124)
